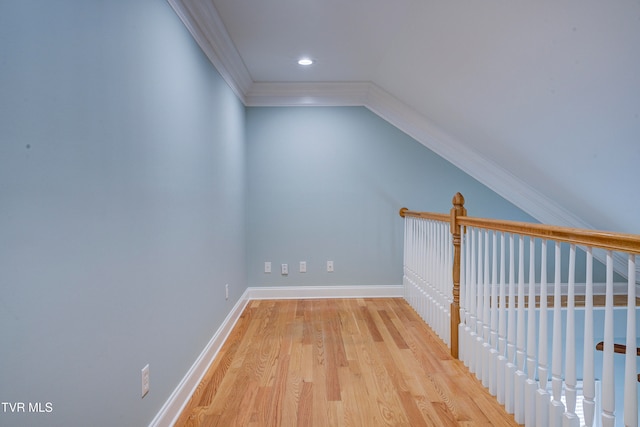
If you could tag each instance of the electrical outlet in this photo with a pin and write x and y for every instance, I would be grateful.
(330, 266)
(145, 380)
(267, 267)
(285, 269)
(303, 266)
(226, 291)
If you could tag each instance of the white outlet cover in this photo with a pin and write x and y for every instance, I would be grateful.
(330, 266)
(285, 269)
(267, 267)
(303, 266)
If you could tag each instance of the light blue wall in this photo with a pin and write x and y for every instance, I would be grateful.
(122, 187)
(327, 184)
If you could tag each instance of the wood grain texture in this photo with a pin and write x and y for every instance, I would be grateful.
(338, 362)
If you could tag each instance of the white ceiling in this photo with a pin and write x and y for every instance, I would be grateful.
(539, 100)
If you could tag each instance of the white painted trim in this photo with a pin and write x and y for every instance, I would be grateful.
(171, 410)
(312, 292)
(205, 25)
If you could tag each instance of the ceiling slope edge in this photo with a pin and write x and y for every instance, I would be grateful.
(203, 22)
(208, 30)
(484, 170)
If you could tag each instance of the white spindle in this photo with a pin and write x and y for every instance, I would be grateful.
(557, 407)
(468, 298)
(463, 295)
(630, 375)
(502, 327)
(588, 377)
(494, 317)
(570, 419)
(608, 384)
(531, 385)
(520, 350)
(510, 368)
(486, 318)
(479, 309)
(446, 288)
(542, 395)
(473, 304)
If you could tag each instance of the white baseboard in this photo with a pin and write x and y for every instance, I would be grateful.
(171, 410)
(312, 292)
(173, 407)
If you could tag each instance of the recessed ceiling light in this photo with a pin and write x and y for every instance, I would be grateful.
(305, 61)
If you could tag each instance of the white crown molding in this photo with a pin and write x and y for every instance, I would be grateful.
(205, 25)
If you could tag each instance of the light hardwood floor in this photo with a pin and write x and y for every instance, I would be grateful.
(338, 362)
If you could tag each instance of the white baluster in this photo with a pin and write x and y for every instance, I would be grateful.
(520, 377)
(463, 295)
(486, 318)
(557, 407)
(502, 327)
(588, 377)
(542, 395)
(425, 272)
(472, 304)
(447, 293)
(468, 295)
(531, 385)
(444, 286)
(570, 419)
(510, 368)
(493, 358)
(608, 382)
(435, 272)
(630, 375)
(479, 309)
(422, 260)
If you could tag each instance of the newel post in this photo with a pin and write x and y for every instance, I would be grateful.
(457, 210)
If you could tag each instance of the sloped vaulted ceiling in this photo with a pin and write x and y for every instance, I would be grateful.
(539, 100)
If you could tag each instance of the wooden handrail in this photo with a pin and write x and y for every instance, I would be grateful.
(617, 348)
(600, 239)
(404, 212)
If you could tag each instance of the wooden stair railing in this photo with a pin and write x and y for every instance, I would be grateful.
(457, 217)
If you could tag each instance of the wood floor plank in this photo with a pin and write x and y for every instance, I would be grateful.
(351, 362)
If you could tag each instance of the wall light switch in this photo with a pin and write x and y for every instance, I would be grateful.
(330, 266)
(303, 266)
(285, 269)
(267, 267)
